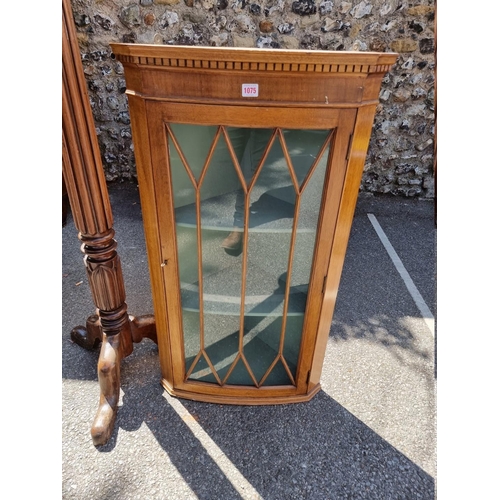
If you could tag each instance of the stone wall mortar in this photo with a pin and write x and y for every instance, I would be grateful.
(400, 158)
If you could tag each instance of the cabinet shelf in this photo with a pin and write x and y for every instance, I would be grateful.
(263, 296)
(269, 214)
(255, 305)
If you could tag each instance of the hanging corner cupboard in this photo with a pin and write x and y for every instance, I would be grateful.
(249, 164)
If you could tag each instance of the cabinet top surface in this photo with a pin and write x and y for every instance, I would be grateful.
(366, 62)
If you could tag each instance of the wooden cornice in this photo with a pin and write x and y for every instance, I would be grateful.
(247, 59)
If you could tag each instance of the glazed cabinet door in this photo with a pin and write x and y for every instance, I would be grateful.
(246, 205)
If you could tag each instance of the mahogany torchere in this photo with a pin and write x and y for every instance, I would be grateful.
(85, 184)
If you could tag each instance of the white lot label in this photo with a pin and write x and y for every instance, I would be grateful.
(250, 90)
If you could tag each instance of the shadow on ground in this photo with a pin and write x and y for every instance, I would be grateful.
(306, 450)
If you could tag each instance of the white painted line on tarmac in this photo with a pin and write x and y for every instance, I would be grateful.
(234, 476)
(418, 299)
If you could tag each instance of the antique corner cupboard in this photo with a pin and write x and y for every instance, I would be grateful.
(249, 164)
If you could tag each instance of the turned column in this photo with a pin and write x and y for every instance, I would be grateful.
(88, 197)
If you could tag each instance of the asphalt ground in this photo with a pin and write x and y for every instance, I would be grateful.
(370, 433)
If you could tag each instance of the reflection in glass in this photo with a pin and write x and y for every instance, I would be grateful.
(246, 205)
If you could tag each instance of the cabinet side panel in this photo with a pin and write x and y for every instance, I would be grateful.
(327, 225)
(352, 181)
(169, 301)
(142, 145)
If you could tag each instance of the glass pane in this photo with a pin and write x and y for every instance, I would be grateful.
(225, 179)
(285, 183)
(219, 186)
(310, 167)
(202, 370)
(194, 141)
(184, 193)
(271, 210)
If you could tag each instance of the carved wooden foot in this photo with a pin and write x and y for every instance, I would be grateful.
(113, 349)
(143, 327)
(90, 335)
(108, 369)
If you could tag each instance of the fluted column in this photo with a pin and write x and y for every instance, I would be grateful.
(91, 209)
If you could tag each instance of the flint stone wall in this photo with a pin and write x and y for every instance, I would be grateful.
(400, 158)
